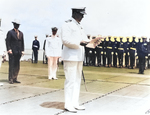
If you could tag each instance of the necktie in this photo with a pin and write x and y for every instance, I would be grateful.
(17, 33)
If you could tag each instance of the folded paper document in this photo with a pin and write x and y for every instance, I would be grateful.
(94, 42)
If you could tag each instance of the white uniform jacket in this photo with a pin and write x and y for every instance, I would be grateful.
(72, 34)
(53, 46)
(2, 43)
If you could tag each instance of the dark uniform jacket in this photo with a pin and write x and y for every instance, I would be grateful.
(14, 43)
(104, 46)
(120, 46)
(133, 45)
(142, 49)
(126, 46)
(115, 46)
(35, 45)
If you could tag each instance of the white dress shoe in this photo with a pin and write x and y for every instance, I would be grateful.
(72, 110)
(80, 107)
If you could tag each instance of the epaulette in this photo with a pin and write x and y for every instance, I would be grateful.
(68, 21)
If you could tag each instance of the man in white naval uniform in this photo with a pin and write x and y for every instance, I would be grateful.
(2, 46)
(73, 38)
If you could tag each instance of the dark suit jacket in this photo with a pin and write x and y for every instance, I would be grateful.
(14, 43)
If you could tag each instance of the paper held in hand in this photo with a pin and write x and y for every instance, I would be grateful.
(94, 42)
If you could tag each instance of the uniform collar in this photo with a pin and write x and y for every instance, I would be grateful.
(75, 21)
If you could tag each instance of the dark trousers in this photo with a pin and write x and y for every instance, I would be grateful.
(87, 56)
(14, 66)
(35, 52)
(93, 57)
(98, 55)
(126, 59)
(132, 58)
(141, 64)
(120, 58)
(104, 58)
(109, 56)
(114, 59)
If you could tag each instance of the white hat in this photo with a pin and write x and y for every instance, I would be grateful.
(16, 21)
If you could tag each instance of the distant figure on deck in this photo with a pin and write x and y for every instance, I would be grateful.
(44, 56)
(35, 48)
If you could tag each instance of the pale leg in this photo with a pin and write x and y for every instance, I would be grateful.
(50, 62)
(54, 66)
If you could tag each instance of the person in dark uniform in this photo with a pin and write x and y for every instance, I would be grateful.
(132, 52)
(87, 55)
(93, 54)
(44, 56)
(15, 48)
(109, 51)
(148, 47)
(144, 41)
(120, 52)
(115, 52)
(126, 51)
(104, 46)
(142, 52)
(35, 48)
(138, 45)
(99, 50)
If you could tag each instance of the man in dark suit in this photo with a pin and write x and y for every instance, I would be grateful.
(15, 48)
(35, 48)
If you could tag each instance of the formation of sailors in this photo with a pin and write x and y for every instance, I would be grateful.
(115, 53)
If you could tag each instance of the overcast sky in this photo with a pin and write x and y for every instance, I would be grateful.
(104, 17)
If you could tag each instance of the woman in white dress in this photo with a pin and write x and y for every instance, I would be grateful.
(53, 50)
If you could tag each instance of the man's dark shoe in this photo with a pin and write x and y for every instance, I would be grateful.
(11, 82)
(17, 82)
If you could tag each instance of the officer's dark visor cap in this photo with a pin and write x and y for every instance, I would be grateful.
(79, 10)
(54, 29)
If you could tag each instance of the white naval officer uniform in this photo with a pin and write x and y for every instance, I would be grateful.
(73, 57)
(53, 49)
(53, 46)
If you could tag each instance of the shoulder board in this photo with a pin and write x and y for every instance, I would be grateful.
(68, 21)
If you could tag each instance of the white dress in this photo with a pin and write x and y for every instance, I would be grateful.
(53, 46)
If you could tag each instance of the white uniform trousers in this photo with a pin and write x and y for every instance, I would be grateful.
(73, 72)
